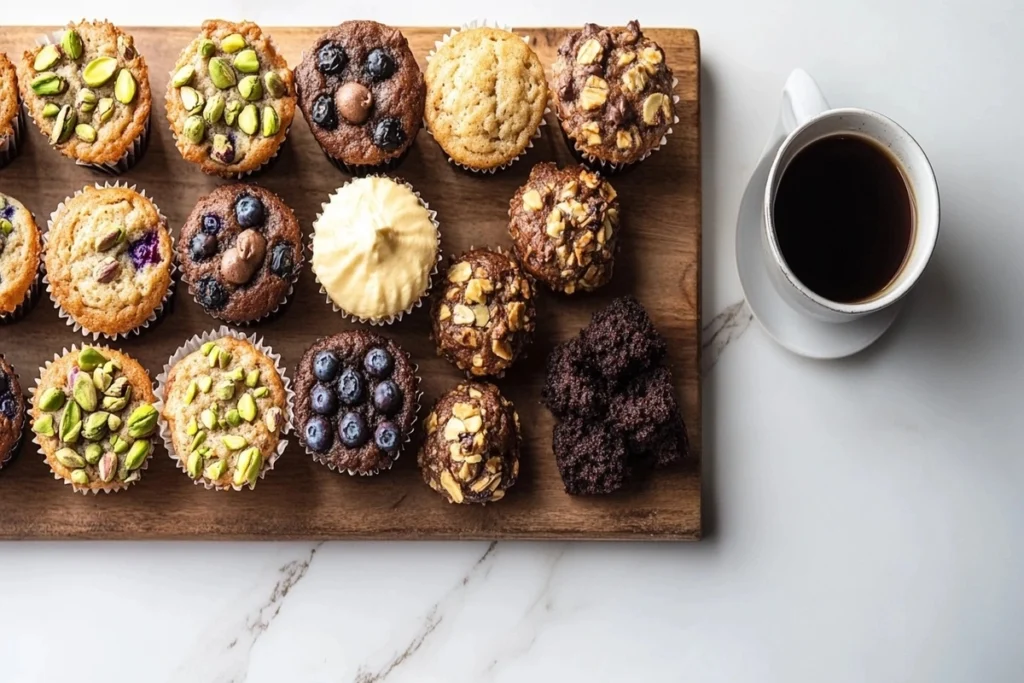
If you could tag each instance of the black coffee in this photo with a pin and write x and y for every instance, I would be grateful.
(844, 218)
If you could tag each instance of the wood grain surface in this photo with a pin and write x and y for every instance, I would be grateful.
(659, 264)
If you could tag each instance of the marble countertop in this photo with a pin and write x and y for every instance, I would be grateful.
(864, 517)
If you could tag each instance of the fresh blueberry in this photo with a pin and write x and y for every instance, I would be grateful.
(211, 294)
(379, 363)
(387, 397)
(319, 435)
(323, 112)
(331, 58)
(202, 246)
(325, 366)
(9, 407)
(145, 251)
(249, 211)
(386, 436)
(388, 134)
(351, 388)
(211, 224)
(352, 430)
(379, 65)
(323, 400)
(281, 261)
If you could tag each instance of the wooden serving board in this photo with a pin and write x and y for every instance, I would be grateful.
(659, 263)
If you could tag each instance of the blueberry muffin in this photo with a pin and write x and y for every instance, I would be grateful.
(362, 94)
(11, 122)
(471, 452)
(230, 99)
(89, 94)
(109, 259)
(484, 316)
(94, 419)
(486, 96)
(356, 401)
(565, 227)
(20, 249)
(12, 412)
(613, 94)
(241, 252)
(226, 411)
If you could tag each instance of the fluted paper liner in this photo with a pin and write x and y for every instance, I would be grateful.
(193, 345)
(485, 23)
(157, 312)
(6, 457)
(9, 146)
(32, 295)
(397, 317)
(114, 487)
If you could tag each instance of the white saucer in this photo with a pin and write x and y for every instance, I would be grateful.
(794, 330)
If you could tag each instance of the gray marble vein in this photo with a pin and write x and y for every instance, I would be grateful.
(722, 330)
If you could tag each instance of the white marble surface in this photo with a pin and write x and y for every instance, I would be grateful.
(865, 516)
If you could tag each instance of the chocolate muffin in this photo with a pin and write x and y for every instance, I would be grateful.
(240, 252)
(484, 317)
(615, 401)
(613, 94)
(471, 453)
(12, 412)
(362, 94)
(356, 401)
(565, 227)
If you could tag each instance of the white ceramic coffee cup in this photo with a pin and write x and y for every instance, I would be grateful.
(807, 118)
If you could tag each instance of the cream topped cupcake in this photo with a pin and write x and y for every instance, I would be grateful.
(375, 249)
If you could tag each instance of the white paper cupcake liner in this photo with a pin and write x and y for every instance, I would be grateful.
(9, 455)
(485, 23)
(157, 312)
(139, 144)
(193, 345)
(116, 486)
(10, 145)
(397, 317)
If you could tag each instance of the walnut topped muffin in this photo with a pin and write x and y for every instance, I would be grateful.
(613, 93)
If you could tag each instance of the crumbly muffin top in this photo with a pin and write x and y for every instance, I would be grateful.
(471, 452)
(8, 96)
(230, 98)
(613, 91)
(12, 410)
(108, 259)
(362, 92)
(90, 93)
(484, 316)
(94, 418)
(20, 247)
(226, 408)
(240, 249)
(565, 227)
(486, 95)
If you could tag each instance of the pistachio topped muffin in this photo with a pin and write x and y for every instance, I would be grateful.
(613, 94)
(109, 260)
(20, 249)
(486, 96)
(94, 419)
(230, 99)
(12, 412)
(90, 95)
(11, 121)
(226, 409)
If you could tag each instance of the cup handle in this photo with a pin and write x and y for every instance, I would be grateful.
(801, 100)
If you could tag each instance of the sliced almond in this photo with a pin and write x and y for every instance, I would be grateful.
(453, 429)
(460, 272)
(444, 312)
(481, 484)
(449, 484)
(481, 315)
(473, 424)
(463, 315)
(654, 105)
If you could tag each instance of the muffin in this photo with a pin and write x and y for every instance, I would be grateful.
(484, 317)
(11, 121)
(230, 99)
(20, 249)
(241, 252)
(226, 408)
(613, 94)
(356, 401)
(12, 412)
(109, 260)
(362, 94)
(89, 95)
(486, 97)
(94, 419)
(565, 227)
(375, 249)
(471, 452)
